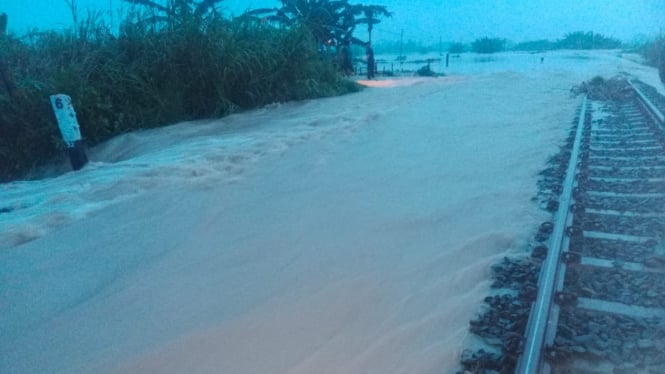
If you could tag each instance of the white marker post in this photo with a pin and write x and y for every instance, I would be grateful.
(70, 130)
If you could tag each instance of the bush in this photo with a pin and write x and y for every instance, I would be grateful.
(457, 48)
(587, 40)
(488, 45)
(535, 45)
(148, 75)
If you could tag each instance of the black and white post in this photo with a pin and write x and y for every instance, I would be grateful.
(70, 130)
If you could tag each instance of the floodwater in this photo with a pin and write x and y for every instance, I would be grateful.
(343, 235)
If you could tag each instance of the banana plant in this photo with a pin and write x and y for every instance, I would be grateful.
(174, 10)
(328, 20)
(372, 16)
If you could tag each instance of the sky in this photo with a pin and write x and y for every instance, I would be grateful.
(428, 20)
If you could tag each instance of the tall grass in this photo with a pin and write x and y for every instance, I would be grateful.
(147, 76)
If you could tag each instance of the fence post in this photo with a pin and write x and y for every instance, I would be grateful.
(70, 130)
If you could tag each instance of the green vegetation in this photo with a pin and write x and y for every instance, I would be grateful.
(488, 45)
(587, 40)
(573, 40)
(330, 21)
(457, 48)
(167, 63)
(535, 45)
(372, 15)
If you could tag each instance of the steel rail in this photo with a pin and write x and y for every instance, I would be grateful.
(658, 116)
(531, 361)
(543, 316)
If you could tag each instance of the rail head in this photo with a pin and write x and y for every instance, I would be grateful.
(655, 112)
(531, 361)
(543, 317)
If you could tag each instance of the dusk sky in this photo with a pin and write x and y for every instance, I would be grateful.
(428, 20)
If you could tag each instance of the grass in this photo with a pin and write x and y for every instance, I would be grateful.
(148, 75)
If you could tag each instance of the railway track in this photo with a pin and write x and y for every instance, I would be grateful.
(600, 302)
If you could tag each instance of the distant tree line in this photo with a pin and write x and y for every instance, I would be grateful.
(536, 45)
(456, 48)
(572, 40)
(488, 45)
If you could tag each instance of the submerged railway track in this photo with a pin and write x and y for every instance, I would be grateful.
(598, 304)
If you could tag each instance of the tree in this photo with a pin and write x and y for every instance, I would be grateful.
(328, 20)
(587, 40)
(372, 15)
(535, 45)
(456, 48)
(488, 45)
(175, 11)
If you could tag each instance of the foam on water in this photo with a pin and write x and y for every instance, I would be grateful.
(204, 152)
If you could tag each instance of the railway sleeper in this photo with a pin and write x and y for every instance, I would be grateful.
(632, 153)
(620, 249)
(626, 172)
(634, 186)
(621, 224)
(597, 341)
(617, 284)
(620, 162)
